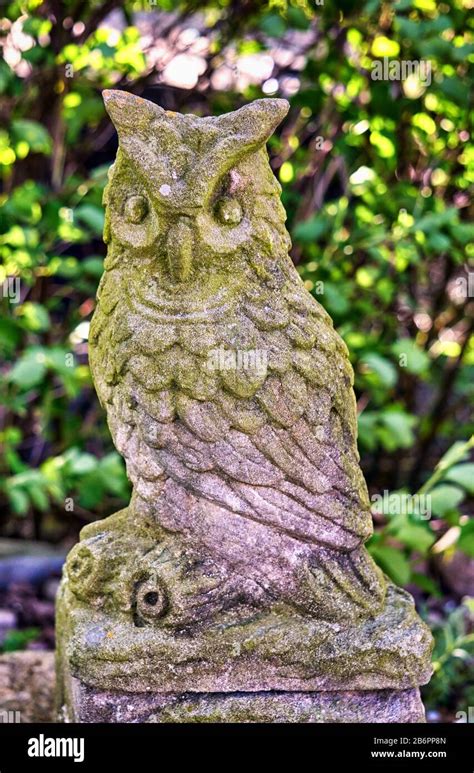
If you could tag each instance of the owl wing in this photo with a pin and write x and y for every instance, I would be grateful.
(275, 444)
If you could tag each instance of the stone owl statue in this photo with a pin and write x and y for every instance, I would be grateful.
(240, 562)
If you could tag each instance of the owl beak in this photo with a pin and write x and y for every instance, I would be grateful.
(179, 249)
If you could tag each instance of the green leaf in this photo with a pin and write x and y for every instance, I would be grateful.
(5, 76)
(34, 134)
(439, 242)
(17, 640)
(367, 435)
(455, 88)
(400, 426)
(273, 25)
(34, 316)
(312, 229)
(463, 232)
(335, 299)
(466, 539)
(91, 490)
(387, 439)
(10, 336)
(426, 584)
(463, 475)
(91, 216)
(415, 536)
(406, 27)
(18, 500)
(456, 453)
(445, 498)
(39, 497)
(112, 472)
(82, 464)
(94, 266)
(383, 368)
(410, 356)
(29, 371)
(393, 562)
(297, 18)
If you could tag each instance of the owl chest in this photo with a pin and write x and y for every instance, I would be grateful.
(141, 349)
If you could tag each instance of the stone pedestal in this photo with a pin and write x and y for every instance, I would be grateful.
(343, 706)
(270, 668)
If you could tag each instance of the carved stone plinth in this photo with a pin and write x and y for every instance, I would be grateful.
(370, 706)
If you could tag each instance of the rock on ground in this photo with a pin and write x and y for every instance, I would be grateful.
(27, 681)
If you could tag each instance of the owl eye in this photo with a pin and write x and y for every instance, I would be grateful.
(229, 211)
(151, 600)
(135, 209)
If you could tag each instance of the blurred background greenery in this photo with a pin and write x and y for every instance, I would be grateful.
(376, 177)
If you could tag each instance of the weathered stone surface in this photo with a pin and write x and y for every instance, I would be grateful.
(239, 565)
(91, 705)
(27, 686)
(268, 652)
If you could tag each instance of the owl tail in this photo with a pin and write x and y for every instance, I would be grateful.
(343, 586)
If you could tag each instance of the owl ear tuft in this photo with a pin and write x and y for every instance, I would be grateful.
(254, 123)
(129, 112)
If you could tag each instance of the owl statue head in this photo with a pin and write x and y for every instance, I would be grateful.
(193, 199)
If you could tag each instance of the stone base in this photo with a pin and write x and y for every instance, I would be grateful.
(87, 704)
(268, 653)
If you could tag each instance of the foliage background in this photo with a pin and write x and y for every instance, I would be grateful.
(376, 180)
